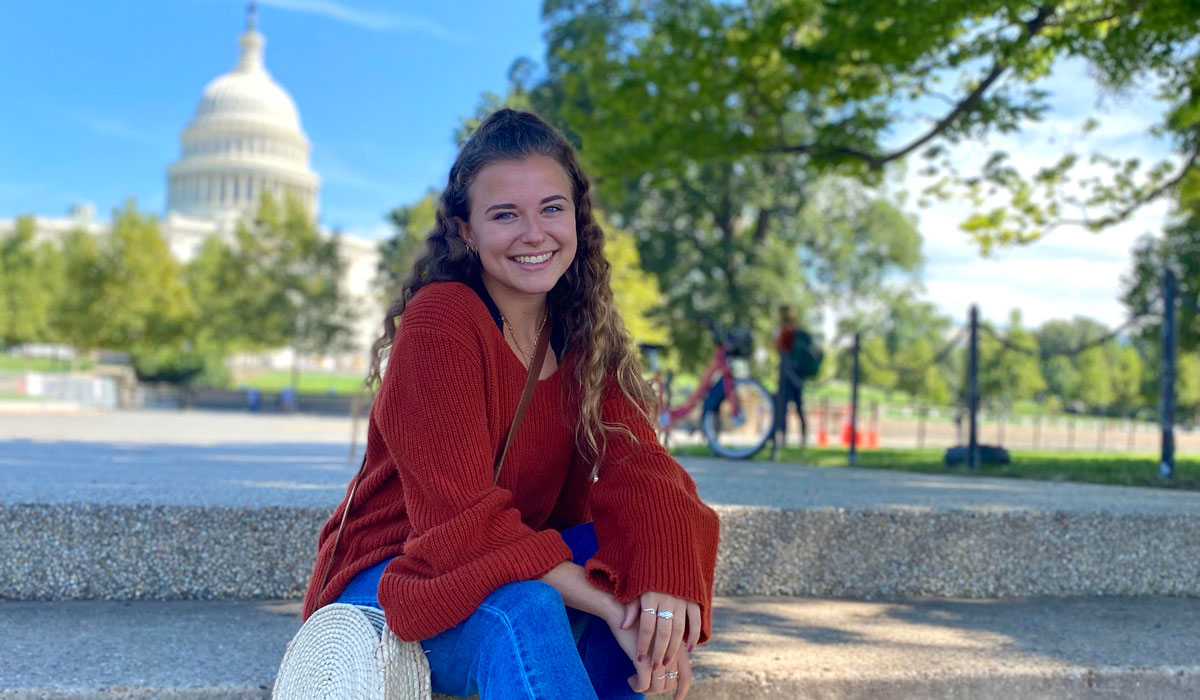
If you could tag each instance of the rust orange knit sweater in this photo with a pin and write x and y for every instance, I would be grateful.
(446, 401)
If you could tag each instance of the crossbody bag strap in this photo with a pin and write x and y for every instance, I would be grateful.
(535, 370)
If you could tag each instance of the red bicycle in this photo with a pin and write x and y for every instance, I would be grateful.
(738, 416)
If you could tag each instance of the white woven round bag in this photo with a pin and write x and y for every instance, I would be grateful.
(347, 651)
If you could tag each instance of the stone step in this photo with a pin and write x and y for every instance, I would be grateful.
(762, 647)
(133, 552)
(88, 520)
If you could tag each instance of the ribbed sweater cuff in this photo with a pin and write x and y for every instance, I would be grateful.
(419, 608)
(673, 551)
(645, 575)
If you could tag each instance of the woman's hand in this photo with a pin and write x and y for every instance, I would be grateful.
(659, 638)
(660, 641)
(646, 680)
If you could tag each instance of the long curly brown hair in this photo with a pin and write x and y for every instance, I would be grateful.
(582, 299)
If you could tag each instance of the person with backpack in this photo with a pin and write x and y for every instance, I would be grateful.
(799, 359)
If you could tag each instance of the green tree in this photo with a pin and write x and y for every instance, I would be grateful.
(31, 278)
(1096, 382)
(1127, 372)
(928, 383)
(274, 284)
(228, 289)
(682, 88)
(855, 243)
(411, 225)
(731, 242)
(1063, 379)
(124, 291)
(520, 74)
(1059, 341)
(74, 316)
(1187, 380)
(1178, 249)
(875, 363)
(635, 292)
(1187, 386)
(303, 306)
(718, 248)
(677, 86)
(1006, 374)
(911, 333)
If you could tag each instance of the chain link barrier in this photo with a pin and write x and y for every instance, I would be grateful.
(1145, 312)
(909, 369)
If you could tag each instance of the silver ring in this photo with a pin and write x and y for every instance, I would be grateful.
(672, 674)
(659, 677)
(649, 610)
(666, 614)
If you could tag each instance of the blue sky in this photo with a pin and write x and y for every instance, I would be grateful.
(98, 91)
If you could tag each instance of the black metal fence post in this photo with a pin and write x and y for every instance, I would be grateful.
(853, 459)
(973, 391)
(1166, 465)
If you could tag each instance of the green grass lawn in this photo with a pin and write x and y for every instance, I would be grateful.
(1095, 468)
(310, 383)
(39, 364)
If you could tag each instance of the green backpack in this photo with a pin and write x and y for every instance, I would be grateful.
(805, 356)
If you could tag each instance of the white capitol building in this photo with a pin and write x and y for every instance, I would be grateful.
(245, 139)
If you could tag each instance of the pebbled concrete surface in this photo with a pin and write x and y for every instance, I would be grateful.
(761, 648)
(89, 552)
(227, 505)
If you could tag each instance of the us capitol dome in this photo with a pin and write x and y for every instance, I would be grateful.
(245, 139)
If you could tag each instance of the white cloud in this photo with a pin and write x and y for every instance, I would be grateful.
(1071, 271)
(377, 21)
(379, 232)
(339, 172)
(117, 128)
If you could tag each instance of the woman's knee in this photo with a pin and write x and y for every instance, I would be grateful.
(531, 600)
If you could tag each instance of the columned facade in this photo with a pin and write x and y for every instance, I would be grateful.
(245, 139)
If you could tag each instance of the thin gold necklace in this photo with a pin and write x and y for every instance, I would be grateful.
(536, 337)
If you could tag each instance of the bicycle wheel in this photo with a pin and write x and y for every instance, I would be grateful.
(740, 435)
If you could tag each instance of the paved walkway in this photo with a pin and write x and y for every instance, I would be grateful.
(1136, 647)
(761, 647)
(241, 459)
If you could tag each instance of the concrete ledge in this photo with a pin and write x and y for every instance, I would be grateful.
(771, 647)
(116, 552)
(886, 552)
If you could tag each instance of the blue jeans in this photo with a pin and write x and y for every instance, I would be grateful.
(522, 642)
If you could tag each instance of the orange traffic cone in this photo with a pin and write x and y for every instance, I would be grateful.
(823, 424)
(873, 428)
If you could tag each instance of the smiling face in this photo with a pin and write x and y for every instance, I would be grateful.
(522, 222)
